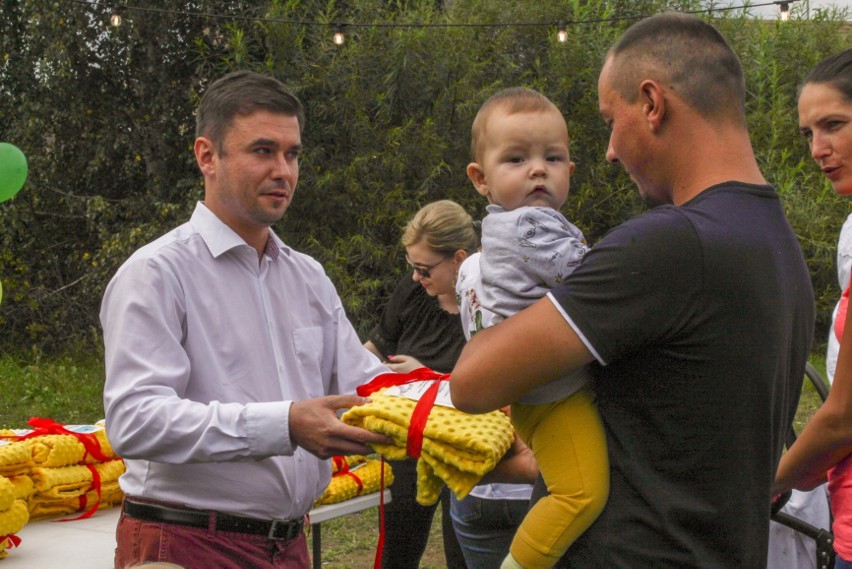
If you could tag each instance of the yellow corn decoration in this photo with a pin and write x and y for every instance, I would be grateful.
(344, 487)
(458, 448)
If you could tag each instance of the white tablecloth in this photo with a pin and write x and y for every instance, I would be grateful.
(90, 543)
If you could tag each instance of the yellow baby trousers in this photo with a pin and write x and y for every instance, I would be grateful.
(568, 441)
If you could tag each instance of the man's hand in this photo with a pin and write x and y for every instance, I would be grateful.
(315, 426)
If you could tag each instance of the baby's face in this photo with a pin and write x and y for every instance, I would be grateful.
(525, 159)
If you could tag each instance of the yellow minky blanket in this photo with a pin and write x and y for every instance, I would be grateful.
(15, 458)
(11, 521)
(62, 449)
(15, 488)
(7, 494)
(344, 487)
(458, 448)
(47, 508)
(73, 481)
(65, 450)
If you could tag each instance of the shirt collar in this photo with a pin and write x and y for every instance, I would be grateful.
(220, 238)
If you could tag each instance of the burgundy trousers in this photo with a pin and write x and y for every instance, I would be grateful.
(138, 542)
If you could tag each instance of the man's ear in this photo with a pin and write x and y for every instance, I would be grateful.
(477, 176)
(205, 152)
(654, 103)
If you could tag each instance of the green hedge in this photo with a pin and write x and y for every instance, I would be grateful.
(106, 118)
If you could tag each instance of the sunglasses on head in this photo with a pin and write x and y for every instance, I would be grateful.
(424, 271)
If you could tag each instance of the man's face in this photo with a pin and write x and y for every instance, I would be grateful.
(631, 139)
(251, 182)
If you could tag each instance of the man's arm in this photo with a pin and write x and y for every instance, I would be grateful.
(502, 363)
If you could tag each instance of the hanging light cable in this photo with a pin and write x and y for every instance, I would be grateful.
(117, 13)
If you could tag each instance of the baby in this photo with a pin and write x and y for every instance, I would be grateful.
(522, 166)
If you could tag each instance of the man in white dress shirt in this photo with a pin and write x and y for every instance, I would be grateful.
(228, 356)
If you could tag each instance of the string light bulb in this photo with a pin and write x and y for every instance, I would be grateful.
(561, 33)
(115, 18)
(338, 37)
(785, 11)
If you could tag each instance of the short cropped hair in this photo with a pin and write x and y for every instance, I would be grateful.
(242, 93)
(834, 70)
(443, 226)
(515, 100)
(689, 56)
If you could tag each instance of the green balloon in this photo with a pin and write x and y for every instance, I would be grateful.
(13, 170)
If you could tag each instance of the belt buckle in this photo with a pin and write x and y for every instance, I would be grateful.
(273, 526)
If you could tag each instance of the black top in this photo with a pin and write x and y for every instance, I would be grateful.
(704, 317)
(414, 324)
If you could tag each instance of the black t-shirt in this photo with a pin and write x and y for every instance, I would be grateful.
(703, 315)
(414, 324)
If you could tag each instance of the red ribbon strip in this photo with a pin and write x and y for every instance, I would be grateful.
(420, 415)
(96, 485)
(339, 463)
(14, 540)
(390, 379)
(343, 470)
(51, 427)
(380, 546)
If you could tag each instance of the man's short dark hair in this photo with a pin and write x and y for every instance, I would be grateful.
(242, 93)
(689, 56)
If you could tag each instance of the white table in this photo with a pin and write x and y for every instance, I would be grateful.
(330, 511)
(48, 544)
(90, 543)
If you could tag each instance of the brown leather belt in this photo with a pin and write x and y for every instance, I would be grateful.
(272, 529)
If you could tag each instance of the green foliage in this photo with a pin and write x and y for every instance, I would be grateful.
(67, 389)
(105, 116)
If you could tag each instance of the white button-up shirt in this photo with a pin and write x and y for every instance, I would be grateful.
(205, 350)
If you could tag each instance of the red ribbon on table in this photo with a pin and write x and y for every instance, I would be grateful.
(380, 546)
(96, 485)
(51, 427)
(14, 540)
(420, 415)
(343, 470)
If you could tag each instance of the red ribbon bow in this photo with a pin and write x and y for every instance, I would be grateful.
(343, 470)
(420, 415)
(51, 427)
(14, 540)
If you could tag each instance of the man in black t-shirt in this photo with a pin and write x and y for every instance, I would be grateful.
(698, 316)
